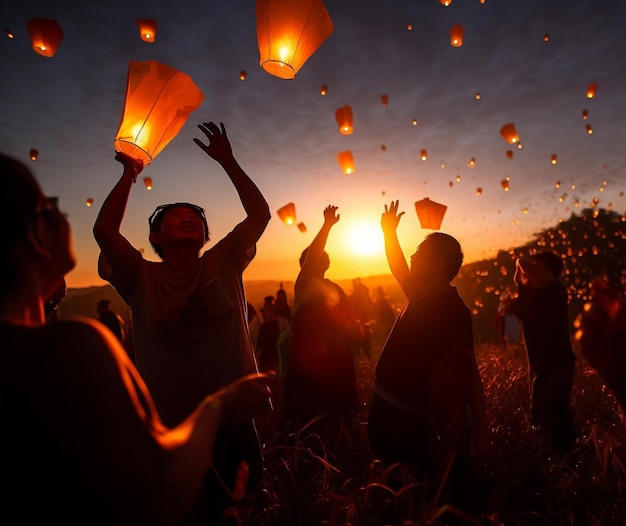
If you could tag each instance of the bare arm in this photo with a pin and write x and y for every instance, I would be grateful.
(316, 249)
(255, 205)
(106, 229)
(395, 257)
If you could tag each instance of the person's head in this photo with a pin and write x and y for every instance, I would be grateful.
(323, 263)
(103, 306)
(178, 221)
(438, 256)
(281, 295)
(33, 232)
(550, 262)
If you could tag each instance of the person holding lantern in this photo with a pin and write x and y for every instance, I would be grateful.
(189, 310)
(81, 440)
(428, 404)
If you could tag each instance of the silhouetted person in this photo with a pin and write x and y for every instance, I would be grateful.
(507, 323)
(81, 440)
(51, 305)
(283, 308)
(427, 383)
(384, 314)
(269, 331)
(189, 311)
(602, 336)
(541, 306)
(320, 375)
(110, 319)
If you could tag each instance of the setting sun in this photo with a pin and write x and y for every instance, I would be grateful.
(365, 239)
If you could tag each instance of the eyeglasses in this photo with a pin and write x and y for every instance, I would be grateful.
(154, 221)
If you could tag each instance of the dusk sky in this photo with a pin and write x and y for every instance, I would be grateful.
(285, 136)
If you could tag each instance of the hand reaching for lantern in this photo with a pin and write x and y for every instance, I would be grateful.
(219, 146)
(131, 166)
(390, 218)
(330, 215)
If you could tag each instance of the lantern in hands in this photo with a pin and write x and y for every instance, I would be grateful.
(430, 213)
(159, 99)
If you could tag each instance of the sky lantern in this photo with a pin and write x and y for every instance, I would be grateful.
(414, 122)
(289, 32)
(456, 35)
(158, 102)
(546, 37)
(423, 155)
(242, 74)
(472, 162)
(509, 133)
(344, 120)
(591, 90)
(302, 227)
(553, 159)
(445, 2)
(33, 154)
(346, 161)
(383, 147)
(429, 213)
(287, 214)
(9, 33)
(505, 184)
(323, 90)
(477, 96)
(589, 129)
(557, 184)
(384, 100)
(509, 154)
(479, 191)
(147, 182)
(89, 201)
(147, 29)
(45, 35)
(585, 115)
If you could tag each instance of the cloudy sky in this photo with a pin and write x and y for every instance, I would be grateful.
(285, 135)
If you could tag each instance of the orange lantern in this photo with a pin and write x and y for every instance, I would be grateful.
(383, 147)
(508, 132)
(509, 154)
(242, 75)
(344, 120)
(477, 96)
(589, 129)
(479, 191)
(429, 213)
(591, 90)
(456, 35)
(445, 2)
(553, 159)
(384, 99)
(423, 155)
(323, 90)
(289, 32)
(45, 35)
(585, 115)
(147, 181)
(158, 102)
(34, 154)
(472, 162)
(287, 214)
(505, 184)
(302, 227)
(9, 33)
(414, 122)
(89, 202)
(147, 29)
(546, 37)
(346, 161)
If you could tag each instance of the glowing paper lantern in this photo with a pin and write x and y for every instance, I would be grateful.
(384, 99)
(89, 202)
(346, 161)
(477, 96)
(45, 35)
(344, 120)
(147, 181)
(509, 154)
(472, 162)
(383, 147)
(302, 227)
(34, 154)
(591, 90)
(479, 191)
(589, 129)
(9, 33)
(445, 2)
(429, 213)
(585, 115)
(414, 122)
(289, 32)
(242, 75)
(546, 37)
(505, 184)
(287, 214)
(509, 133)
(423, 155)
(147, 29)
(323, 90)
(456, 35)
(553, 159)
(158, 102)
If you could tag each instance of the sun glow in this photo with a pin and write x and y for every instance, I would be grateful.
(365, 239)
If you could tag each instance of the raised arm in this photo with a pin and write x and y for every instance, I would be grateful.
(316, 249)
(395, 257)
(106, 229)
(526, 270)
(255, 205)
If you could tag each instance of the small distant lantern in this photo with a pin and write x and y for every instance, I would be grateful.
(472, 162)
(458, 178)
(344, 120)
(423, 155)
(585, 115)
(589, 129)
(287, 214)
(242, 75)
(9, 33)
(546, 37)
(323, 90)
(591, 90)
(158, 102)
(509, 133)
(429, 213)
(505, 184)
(384, 99)
(553, 159)
(557, 184)
(302, 227)
(477, 96)
(45, 35)
(479, 191)
(445, 2)
(34, 154)
(519, 146)
(509, 154)
(346, 161)
(456, 35)
(147, 29)
(525, 210)
(409, 27)
(147, 182)
(414, 122)
(289, 32)
(89, 202)
(383, 147)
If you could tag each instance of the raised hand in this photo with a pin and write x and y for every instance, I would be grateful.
(390, 218)
(131, 166)
(219, 147)
(330, 215)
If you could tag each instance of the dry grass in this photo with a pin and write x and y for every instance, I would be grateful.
(316, 476)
